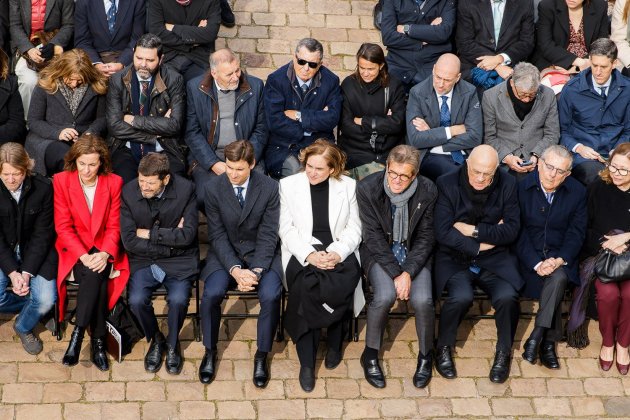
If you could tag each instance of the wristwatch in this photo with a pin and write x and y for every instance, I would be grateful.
(406, 29)
(298, 116)
(475, 232)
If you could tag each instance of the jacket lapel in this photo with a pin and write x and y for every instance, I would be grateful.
(456, 103)
(26, 15)
(79, 201)
(230, 195)
(485, 14)
(49, 6)
(562, 19)
(101, 14)
(505, 104)
(433, 107)
(101, 202)
(89, 94)
(251, 196)
(121, 13)
(509, 13)
(335, 201)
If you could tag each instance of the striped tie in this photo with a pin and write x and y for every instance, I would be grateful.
(143, 95)
(111, 16)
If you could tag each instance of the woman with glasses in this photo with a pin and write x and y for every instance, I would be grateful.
(69, 100)
(373, 114)
(320, 233)
(609, 228)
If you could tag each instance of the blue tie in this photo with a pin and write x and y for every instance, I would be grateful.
(239, 195)
(111, 16)
(549, 197)
(603, 94)
(445, 121)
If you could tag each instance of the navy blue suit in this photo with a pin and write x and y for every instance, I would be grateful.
(247, 237)
(92, 34)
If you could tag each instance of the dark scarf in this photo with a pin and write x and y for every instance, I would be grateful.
(477, 198)
(520, 108)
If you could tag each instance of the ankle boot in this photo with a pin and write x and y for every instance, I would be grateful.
(99, 357)
(71, 357)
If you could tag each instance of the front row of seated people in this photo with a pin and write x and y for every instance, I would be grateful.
(478, 226)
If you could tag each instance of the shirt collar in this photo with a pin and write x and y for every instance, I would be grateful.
(244, 184)
(597, 85)
(143, 80)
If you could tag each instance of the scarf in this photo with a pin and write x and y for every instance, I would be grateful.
(183, 2)
(520, 108)
(478, 198)
(72, 96)
(401, 212)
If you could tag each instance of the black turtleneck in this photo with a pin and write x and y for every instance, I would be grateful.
(520, 108)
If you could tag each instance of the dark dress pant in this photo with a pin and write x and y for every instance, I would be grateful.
(434, 165)
(92, 298)
(549, 313)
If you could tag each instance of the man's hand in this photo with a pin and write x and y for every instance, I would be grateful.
(589, 153)
(548, 266)
(169, 26)
(128, 118)
(69, 134)
(399, 29)
(203, 23)
(513, 162)
(143, 233)
(485, 246)
(420, 124)
(219, 168)
(436, 21)
(17, 283)
(457, 130)
(358, 121)
(168, 113)
(57, 49)
(181, 223)
(489, 62)
(290, 113)
(108, 69)
(464, 228)
(402, 284)
(35, 55)
(246, 280)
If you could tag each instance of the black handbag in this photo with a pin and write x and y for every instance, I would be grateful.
(611, 267)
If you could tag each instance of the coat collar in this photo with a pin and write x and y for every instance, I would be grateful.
(90, 220)
(159, 85)
(208, 86)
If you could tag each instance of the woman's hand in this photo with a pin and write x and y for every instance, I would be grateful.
(616, 243)
(69, 134)
(95, 262)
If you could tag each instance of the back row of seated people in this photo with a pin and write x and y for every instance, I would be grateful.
(315, 232)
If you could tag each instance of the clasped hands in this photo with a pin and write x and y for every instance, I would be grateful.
(246, 280)
(548, 266)
(20, 283)
(95, 262)
(323, 260)
(616, 243)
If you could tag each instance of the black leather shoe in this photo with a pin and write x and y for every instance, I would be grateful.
(307, 378)
(261, 372)
(207, 368)
(227, 16)
(530, 351)
(155, 355)
(548, 356)
(500, 370)
(99, 356)
(424, 370)
(174, 359)
(71, 357)
(444, 363)
(332, 360)
(373, 372)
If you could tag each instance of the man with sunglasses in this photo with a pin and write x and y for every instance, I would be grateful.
(520, 119)
(396, 210)
(477, 219)
(302, 104)
(594, 112)
(553, 219)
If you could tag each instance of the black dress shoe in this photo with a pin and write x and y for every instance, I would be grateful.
(444, 363)
(424, 370)
(227, 16)
(307, 378)
(99, 356)
(373, 372)
(71, 357)
(174, 359)
(155, 355)
(500, 370)
(333, 358)
(530, 351)
(207, 368)
(261, 372)
(548, 356)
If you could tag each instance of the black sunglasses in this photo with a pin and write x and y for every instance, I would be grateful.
(302, 62)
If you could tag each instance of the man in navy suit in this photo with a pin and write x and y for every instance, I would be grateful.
(108, 30)
(443, 118)
(244, 209)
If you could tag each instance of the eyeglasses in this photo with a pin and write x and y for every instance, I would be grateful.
(403, 177)
(560, 172)
(303, 62)
(621, 171)
(525, 95)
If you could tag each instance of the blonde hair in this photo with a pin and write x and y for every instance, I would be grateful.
(14, 154)
(71, 62)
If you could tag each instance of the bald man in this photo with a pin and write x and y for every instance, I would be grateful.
(224, 105)
(444, 118)
(476, 219)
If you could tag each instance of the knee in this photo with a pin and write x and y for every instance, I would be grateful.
(384, 299)
(212, 296)
(460, 301)
(269, 296)
(138, 298)
(47, 299)
(178, 300)
(423, 305)
(505, 300)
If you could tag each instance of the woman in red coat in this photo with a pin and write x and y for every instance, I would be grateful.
(87, 221)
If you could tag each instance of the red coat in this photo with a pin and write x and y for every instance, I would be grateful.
(78, 230)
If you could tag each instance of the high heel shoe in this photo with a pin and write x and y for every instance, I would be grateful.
(71, 357)
(623, 369)
(605, 364)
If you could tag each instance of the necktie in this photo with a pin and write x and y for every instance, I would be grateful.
(497, 16)
(549, 196)
(138, 149)
(239, 195)
(304, 88)
(445, 121)
(111, 16)
(144, 94)
(603, 94)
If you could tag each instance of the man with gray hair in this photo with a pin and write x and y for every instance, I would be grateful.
(302, 103)
(553, 227)
(520, 119)
(224, 105)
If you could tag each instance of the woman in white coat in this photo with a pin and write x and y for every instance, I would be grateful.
(620, 34)
(320, 231)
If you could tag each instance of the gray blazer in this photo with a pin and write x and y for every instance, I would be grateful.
(465, 109)
(504, 131)
(59, 15)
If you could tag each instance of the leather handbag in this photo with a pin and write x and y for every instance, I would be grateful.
(611, 267)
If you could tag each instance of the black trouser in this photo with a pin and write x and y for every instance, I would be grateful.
(126, 166)
(92, 298)
(307, 344)
(54, 155)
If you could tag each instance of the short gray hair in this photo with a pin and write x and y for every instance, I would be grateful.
(404, 153)
(224, 55)
(312, 45)
(526, 76)
(558, 150)
(605, 47)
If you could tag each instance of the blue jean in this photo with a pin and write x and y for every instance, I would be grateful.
(40, 300)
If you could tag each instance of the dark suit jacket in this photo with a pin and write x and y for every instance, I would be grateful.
(92, 34)
(186, 38)
(465, 109)
(552, 31)
(245, 236)
(4, 25)
(457, 252)
(59, 15)
(559, 228)
(475, 31)
(174, 249)
(12, 125)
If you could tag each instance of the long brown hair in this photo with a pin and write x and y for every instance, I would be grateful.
(71, 62)
(622, 149)
(374, 54)
(87, 144)
(335, 157)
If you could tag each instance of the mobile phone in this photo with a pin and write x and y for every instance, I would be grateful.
(526, 163)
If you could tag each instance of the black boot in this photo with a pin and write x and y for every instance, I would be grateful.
(71, 357)
(424, 370)
(99, 356)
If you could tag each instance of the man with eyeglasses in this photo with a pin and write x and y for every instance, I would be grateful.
(444, 118)
(302, 104)
(396, 210)
(477, 219)
(553, 219)
(520, 119)
(594, 112)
